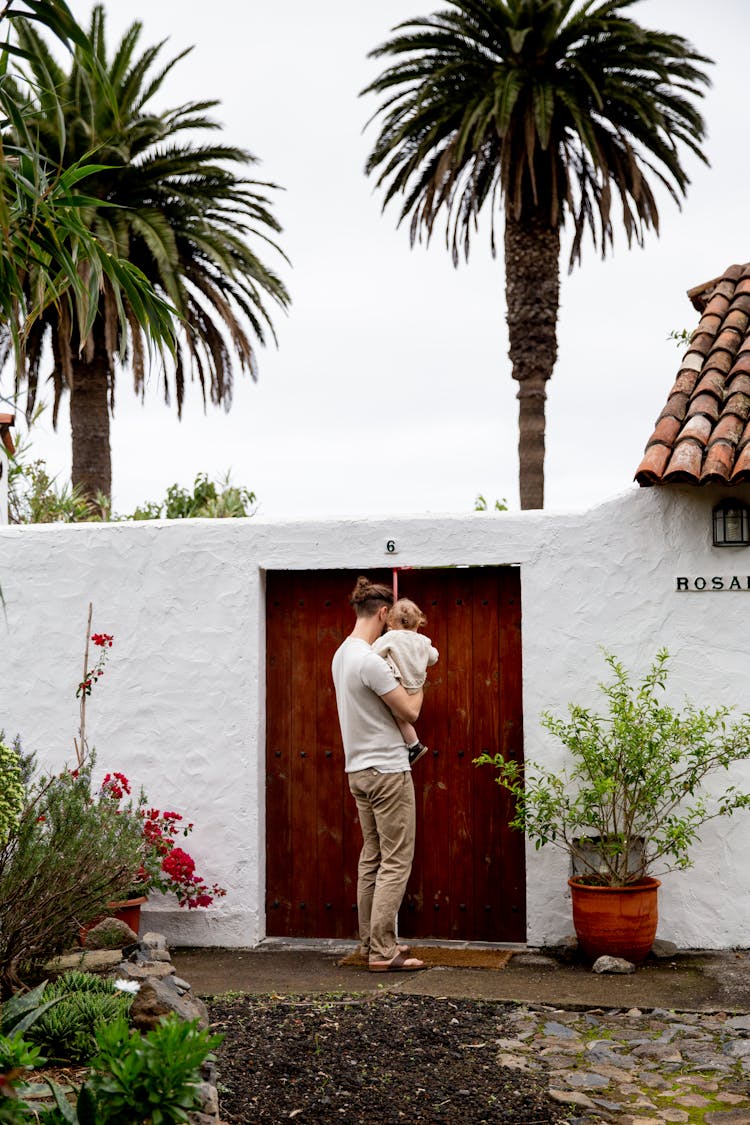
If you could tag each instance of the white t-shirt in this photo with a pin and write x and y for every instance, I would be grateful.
(369, 731)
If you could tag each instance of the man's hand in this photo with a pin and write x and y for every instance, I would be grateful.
(402, 705)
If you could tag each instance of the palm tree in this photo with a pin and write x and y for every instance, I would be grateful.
(548, 108)
(182, 213)
(47, 254)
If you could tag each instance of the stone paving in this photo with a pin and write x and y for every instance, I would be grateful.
(637, 1067)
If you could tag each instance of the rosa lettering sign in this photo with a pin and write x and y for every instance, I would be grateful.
(716, 583)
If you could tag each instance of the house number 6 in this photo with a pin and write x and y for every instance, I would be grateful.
(391, 546)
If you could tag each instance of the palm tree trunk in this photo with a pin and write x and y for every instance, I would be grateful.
(89, 420)
(532, 289)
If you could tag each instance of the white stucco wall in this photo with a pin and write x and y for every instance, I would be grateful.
(180, 708)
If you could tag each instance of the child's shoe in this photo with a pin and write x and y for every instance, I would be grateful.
(416, 751)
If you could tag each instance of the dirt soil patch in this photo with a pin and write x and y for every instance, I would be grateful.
(386, 1058)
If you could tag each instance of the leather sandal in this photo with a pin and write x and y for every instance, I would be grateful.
(397, 964)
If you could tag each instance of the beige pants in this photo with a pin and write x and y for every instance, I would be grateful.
(385, 802)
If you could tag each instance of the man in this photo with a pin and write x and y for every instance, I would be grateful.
(370, 700)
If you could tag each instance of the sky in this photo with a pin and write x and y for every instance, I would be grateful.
(390, 390)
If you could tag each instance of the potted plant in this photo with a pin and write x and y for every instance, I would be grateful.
(629, 802)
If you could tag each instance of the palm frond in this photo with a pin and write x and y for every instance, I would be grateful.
(535, 106)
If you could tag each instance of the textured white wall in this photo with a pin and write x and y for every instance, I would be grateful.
(180, 709)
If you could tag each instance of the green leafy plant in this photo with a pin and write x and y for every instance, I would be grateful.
(209, 500)
(67, 857)
(11, 790)
(481, 504)
(632, 786)
(17, 1059)
(35, 496)
(23, 1009)
(140, 1080)
(80, 1004)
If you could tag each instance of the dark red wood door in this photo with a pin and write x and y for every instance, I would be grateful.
(468, 876)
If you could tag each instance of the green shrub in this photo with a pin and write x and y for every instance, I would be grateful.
(67, 856)
(84, 1002)
(17, 1059)
(11, 790)
(139, 1080)
(22, 1010)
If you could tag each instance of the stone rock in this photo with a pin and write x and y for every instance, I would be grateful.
(583, 1080)
(159, 955)
(88, 961)
(514, 1062)
(560, 1031)
(739, 1023)
(727, 1117)
(663, 950)
(158, 998)
(110, 933)
(146, 970)
(572, 1097)
(612, 965)
(153, 940)
(208, 1098)
(535, 961)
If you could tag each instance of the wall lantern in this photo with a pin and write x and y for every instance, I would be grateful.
(731, 520)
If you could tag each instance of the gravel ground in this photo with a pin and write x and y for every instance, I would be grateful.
(387, 1058)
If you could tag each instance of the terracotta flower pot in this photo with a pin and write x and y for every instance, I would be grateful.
(129, 911)
(615, 921)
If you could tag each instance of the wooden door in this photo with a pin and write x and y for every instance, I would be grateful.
(468, 876)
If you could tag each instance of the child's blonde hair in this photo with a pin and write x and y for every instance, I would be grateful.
(405, 614)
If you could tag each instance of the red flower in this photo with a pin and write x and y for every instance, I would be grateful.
(178, 865)
(103, 640)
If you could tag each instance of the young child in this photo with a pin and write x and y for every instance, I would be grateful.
(409, 654)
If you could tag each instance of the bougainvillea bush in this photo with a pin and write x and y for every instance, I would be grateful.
(164, 867)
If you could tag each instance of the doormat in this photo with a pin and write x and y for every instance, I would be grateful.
(434, 955)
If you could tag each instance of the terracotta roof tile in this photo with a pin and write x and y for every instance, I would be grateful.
(685, 383)
(713, 382)
(729, 339)
(704, 404)
(684, 464)
(676, 407)
(666, 431)
(701, 342)
(652, 466)
(703, 432)
(720, 360)
(711, 322)
(742, 303)
(741, 472)
(718, 464)
(741, 365)
(736, 319)
(737, 383)
(692, 362)
(729, 428)
(698, 427)
(739, 403)
(717, 306)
